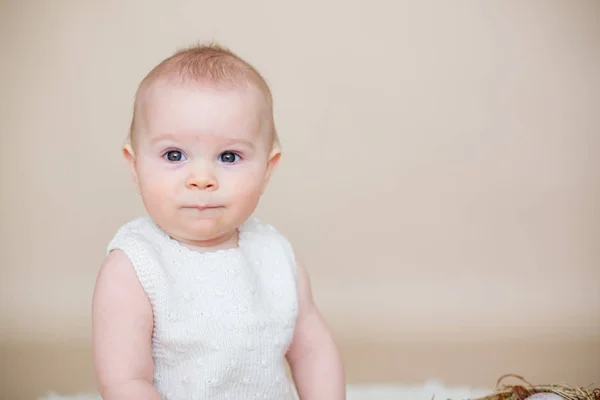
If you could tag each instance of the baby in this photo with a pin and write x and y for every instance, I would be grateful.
(199, 299)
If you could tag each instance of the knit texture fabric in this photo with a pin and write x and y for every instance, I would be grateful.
(223, 320)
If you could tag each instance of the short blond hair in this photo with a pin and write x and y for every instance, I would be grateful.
(210, 64)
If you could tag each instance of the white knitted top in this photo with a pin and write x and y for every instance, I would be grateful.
(222, 320)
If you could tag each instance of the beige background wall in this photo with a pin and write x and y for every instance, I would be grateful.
(441, 176)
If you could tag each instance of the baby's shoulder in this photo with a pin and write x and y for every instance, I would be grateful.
(136, 240)
(257, 226)
(267, 236)
(136, 234)
(134, 226)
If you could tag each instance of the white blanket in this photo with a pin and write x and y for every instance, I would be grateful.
(427, 391)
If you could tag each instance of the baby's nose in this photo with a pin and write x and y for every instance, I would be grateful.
(202, 179)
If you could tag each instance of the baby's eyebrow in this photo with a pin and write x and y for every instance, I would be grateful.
(234, 141)
(163, 137)
(222, 141)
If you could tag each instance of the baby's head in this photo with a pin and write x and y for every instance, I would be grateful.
(202, 144)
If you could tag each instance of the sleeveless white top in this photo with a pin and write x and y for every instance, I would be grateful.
(222, 320)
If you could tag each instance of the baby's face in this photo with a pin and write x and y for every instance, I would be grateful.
(202, 159)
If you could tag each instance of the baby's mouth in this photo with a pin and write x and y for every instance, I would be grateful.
(202, 207)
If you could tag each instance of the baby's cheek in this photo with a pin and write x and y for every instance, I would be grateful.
(156, 194)
(152, 200)
(247, 189)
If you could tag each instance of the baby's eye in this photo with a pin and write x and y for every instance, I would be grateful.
(174, 156)
(229, 157)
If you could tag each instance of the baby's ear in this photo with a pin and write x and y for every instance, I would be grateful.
(272, 163)
(130, 158)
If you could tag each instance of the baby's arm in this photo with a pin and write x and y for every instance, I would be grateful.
(122, 324)
(313, 355)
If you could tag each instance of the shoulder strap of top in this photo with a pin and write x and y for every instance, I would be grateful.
(137, 240)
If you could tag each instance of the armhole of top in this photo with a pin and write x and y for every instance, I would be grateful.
(140, 257)
(289, 251)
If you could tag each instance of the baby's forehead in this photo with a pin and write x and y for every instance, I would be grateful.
(166, 90)
(204, 112)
